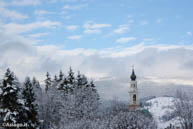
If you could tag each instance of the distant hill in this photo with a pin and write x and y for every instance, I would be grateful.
(159, 107)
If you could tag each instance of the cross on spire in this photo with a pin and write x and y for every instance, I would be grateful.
(132, 66)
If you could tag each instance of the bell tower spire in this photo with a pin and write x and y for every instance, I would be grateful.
(133, 76)
(133, 92)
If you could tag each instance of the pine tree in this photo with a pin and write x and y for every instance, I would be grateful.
(60, 81)
(63, 85)
(55, 82)
(39, 96)
(53, 106)
(55, 78)
(29, 102)
(36, 88)
(81, 81)
(13, 110)
(48, 82)
(36, 84)
(1, 90)
(92, 84)
(83, 102)
(85, 81)
(93, 87)
(70, 77)
(70, 81)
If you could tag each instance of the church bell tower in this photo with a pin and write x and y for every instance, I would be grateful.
(133, 92)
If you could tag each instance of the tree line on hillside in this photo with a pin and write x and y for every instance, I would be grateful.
(67, 102)
(182, 110)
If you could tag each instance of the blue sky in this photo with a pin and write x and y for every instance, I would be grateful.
(110, 23)
(100, 38)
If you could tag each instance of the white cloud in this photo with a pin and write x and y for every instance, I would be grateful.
(91, 25)
(167, 64)
(189, 33)
(91, 31)
(94, 28)
(74, 7)
(122, 29)
(98, 26)
(170, 63)
(147, 59)
(75, 37)
(11, 14)
(69, 1)
(71, 27)
(37, 35)
(20, 28)
(125, 39)
(41, 12)
(26, 2)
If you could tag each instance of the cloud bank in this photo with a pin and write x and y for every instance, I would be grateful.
(159, 64)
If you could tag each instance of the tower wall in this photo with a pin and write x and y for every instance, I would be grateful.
(133, 95)
(133, 91)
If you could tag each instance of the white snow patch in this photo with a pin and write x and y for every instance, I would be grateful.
(10, 116)
(161, 106)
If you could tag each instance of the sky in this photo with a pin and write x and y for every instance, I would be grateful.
(101, 38)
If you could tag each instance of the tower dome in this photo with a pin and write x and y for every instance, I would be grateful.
(133, 76)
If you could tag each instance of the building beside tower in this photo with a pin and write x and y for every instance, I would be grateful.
(133, 92)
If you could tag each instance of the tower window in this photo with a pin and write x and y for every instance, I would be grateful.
(134, 98)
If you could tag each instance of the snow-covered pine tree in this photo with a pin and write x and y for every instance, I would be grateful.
(92, 85)
(132, 120)
(70, 77)
(37, 89)
(53, 106)
(56, 78)
(94, 90)
(64, 86)
(1, 86)
(36, 84)
(62, 83)
(48, 82)
(81, 81)
(13, 110)
(83, 102)
(29, 102)
(88, 101)
(39, 96)
(183, 109)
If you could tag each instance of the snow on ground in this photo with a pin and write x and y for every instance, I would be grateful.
(161, 106)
